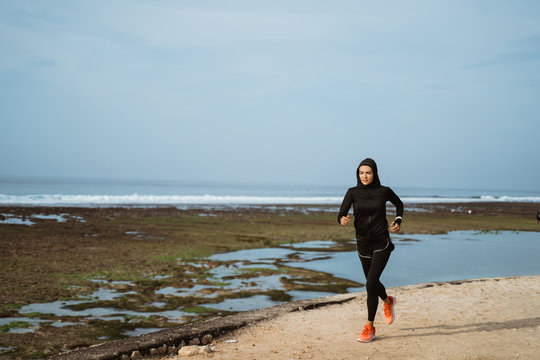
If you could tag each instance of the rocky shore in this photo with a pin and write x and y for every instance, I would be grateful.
(62, 254)
(472, 319)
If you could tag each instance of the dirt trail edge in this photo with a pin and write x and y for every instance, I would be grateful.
(176, 337)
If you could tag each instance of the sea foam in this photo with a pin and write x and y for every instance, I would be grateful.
(137, 199)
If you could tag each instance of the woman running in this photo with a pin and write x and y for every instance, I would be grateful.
(373, 242)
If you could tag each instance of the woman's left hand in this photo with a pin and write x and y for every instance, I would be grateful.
(394, 227)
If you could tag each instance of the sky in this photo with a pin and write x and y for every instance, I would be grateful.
(442, 94)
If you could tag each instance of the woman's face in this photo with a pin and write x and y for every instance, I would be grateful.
(366, 174)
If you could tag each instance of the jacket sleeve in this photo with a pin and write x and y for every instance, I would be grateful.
(345, 206)
(394, 199)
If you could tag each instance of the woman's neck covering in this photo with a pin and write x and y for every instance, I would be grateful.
(371, 163)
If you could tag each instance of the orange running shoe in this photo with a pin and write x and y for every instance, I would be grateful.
(389, 314)
(367, 334)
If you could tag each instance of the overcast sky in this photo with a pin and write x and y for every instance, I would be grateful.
(439, 93)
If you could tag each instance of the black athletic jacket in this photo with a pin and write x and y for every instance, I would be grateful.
(369, 205)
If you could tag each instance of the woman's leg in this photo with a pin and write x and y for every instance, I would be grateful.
(373, 268)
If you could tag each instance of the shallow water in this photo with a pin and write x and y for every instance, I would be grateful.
(20, 220)
(140, 331)
(464, 255)
(7, 349)
(244, 304)
(250, 279)
(417, 258)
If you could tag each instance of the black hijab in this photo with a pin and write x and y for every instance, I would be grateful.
(371, 163)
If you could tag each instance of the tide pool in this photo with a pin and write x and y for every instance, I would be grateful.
(418, 258)
(256, 278)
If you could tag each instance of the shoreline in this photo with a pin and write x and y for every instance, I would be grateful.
(325, 328)
(69, 252)
(474, 319)
(230, 204)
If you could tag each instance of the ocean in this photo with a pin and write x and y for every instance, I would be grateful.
(102, 192)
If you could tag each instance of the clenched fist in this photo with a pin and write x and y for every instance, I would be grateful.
(345, 220)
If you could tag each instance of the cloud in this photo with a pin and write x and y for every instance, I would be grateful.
(296, 85)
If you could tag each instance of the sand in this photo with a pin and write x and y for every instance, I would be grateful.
(479, 319)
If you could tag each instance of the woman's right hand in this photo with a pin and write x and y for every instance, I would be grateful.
(345, 220)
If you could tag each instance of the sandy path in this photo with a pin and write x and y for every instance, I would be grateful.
(482, 319)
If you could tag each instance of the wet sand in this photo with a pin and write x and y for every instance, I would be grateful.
(476, 319)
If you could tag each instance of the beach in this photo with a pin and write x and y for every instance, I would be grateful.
(106, 270)
(476, 319)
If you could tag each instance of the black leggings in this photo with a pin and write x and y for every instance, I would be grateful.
(373, 268)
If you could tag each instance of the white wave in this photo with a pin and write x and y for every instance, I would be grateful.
(511, 198)
(484, 198)
(136, 199)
